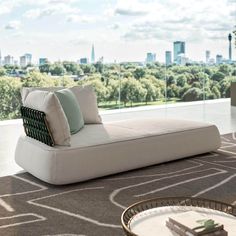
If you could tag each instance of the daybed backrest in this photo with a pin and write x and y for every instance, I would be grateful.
(86, 98)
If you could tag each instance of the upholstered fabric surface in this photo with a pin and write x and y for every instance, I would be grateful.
(72, 110)
(88, 103)
(99, 150)
(49, 103)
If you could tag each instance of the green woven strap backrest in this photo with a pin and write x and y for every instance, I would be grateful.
(36, 126)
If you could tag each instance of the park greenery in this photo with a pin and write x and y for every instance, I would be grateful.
(119, 85)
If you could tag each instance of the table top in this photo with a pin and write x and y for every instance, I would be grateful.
(148, 217)
(152, 222)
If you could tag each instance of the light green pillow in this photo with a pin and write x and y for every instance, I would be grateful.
(71, 109)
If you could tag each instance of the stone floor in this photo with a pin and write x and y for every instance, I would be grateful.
(218, 112)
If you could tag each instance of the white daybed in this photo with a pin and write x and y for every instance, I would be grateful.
(104, 149)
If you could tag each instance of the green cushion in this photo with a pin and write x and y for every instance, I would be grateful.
(72, 110)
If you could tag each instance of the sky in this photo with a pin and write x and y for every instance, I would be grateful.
(121, 30)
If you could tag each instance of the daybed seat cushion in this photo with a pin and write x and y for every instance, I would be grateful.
(103, 149)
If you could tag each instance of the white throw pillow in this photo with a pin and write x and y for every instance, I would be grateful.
(49, 103)
(88, 104)
(26, 90)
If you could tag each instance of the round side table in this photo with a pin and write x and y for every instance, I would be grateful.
(148, 218)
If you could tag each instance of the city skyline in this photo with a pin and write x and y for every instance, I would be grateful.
(179, 57)
(120, 30)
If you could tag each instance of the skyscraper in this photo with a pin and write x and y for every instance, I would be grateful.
(230, 47)
(151, 57)
(208, 54)
(26, 60)
(43, 61)
(92, 55)
(83, 60)
(8, 60)
(168, 58)
(28, 57)
(179, 48)
(219, 59)
(23, 61)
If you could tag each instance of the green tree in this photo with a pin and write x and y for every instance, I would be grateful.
(10, 97)
(208, 71)
(201, 78)
(181, 80)
(173, 91)
(57, 69)
(170, 79)
(152, 92)
(99, 67)
(183, 90)
(99, 88)
(37, 79)
(113, 90)
(215, 93)
(225, 86)
(225, 69)
(63, 81)
(3, 71)
(139, 73)
(88, 69)
(193, 94)
(132, 91)
(45, 68)
(197, 85)
(72, 68)
(218, 76)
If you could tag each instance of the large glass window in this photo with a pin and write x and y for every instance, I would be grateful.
(134, 53)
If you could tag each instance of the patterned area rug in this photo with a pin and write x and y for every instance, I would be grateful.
(31, 207)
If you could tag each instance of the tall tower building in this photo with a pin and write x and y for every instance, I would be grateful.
(43, 61)
(179, 48)
(28, 57)
(219, 59)
(208, 54)
(92, 55)
(26, 60)
(168, 58)
(23, 61)
(230, 47)
(8, 60)
(151, 57)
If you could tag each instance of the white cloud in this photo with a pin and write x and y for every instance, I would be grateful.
(115, 26)
(79, 41)
(61, 8)
(6, 6)
(45, 3)
(39, 13)
(75, 18)
(189, 20)
(128, 8)
(62, 1)
(130, 12)
(13, 25)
